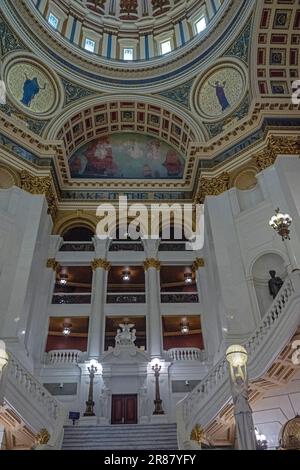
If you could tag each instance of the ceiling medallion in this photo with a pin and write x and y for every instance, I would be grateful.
(31, 87)
(219, 92)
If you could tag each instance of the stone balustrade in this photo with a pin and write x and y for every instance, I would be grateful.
(280, 320)
(186, 354)
(64, 356)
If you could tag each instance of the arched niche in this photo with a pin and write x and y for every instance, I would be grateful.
(261, 276)
(78, 234)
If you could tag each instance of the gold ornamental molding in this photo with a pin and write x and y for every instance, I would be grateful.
(39, 185)
(43, 436)
(53, 264)
(277, 146)
(152, 263)
(198, 263)
(198, 434)
(100, 263)
(213, 186)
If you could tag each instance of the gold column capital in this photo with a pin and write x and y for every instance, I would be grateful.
(197, 434)
(198, 263)
(152, 263)
(100, 263)
(43, 436)
(53, 264)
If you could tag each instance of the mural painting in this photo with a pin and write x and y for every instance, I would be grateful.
(220, 92)
(31, 88)
(129, 156)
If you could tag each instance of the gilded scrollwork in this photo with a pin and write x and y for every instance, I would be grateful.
(197, 434)
(43, 436)
(212, 186)
(53, 264)
(198, 263)
(277, 145)
(39, 185)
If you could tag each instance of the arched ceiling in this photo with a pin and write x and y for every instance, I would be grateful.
(102, 70)
(215, 101)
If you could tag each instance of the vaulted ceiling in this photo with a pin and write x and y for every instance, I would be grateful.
(193, 120)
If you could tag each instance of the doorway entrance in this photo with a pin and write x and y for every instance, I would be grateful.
(124, 409)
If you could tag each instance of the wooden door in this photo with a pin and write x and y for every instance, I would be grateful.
(124, 409)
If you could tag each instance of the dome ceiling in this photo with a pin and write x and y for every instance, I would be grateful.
(132, 10)
(138, 32)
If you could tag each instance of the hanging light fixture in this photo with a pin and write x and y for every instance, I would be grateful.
(281, 223)
(188, 278)
(63, 279)
(66, 329)
(126, 275)
(184, 326)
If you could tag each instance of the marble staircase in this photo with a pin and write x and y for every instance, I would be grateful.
(121, 437)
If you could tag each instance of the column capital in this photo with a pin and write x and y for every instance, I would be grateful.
(100, 263)
(198, 263)
(53, 264)
(152, 263)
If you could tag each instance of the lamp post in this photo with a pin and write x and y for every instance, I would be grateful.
(281, 224)
(158, 401)
(90, 402)
(237, 358)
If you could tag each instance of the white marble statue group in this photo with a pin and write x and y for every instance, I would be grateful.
(125, 337)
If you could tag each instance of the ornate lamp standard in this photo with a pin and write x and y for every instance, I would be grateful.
(90, 402)
(237, 358)
(158, 401)
(281, 224)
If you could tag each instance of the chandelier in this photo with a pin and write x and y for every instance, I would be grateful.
(281, 223)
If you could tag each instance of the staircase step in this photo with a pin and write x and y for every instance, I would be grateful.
(121, 437)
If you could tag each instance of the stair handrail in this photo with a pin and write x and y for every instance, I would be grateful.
(37, 397)
(215, 385)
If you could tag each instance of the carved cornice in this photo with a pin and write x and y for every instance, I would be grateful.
(53, 264)
(212, 186)
(277, 145)
(100, 263)
(152, 263)
(39, 185)
(198, 263)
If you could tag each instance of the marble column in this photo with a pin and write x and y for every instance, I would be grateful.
(100, 267)
(38, 330)
(152, 268)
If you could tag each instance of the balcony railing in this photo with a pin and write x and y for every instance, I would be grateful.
(187, 354)
(126, 246)
(179, 297)
(172, 246)
(64, 356)
(77, 246)
(66, 298)
(128, 298)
